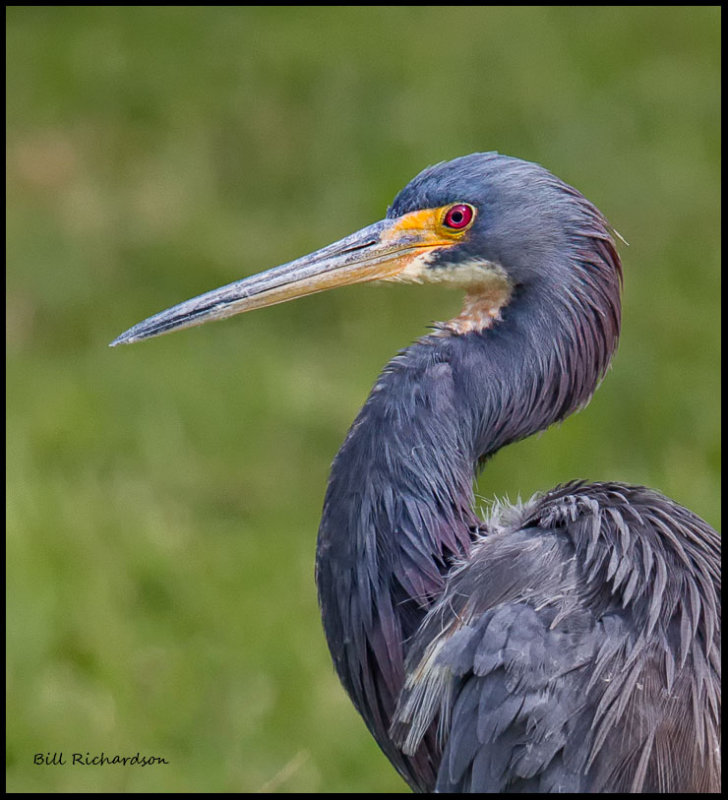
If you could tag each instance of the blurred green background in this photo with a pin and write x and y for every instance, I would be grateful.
(163, 499)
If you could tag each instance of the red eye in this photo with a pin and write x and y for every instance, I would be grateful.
(459, 216)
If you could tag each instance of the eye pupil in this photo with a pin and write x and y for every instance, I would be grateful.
(459, 216)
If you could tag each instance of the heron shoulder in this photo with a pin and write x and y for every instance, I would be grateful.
(588, 619)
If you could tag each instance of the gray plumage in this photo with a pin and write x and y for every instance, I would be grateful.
(576, 650)
(576, 640)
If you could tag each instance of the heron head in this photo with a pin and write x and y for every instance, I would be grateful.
(495, 226)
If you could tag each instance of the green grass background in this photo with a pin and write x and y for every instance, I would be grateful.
(163, 499)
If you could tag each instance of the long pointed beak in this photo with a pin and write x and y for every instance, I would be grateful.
(381, 251)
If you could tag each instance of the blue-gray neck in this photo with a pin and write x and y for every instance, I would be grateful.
(399, 504)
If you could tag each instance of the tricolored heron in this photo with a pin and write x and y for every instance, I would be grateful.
(567, 644)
